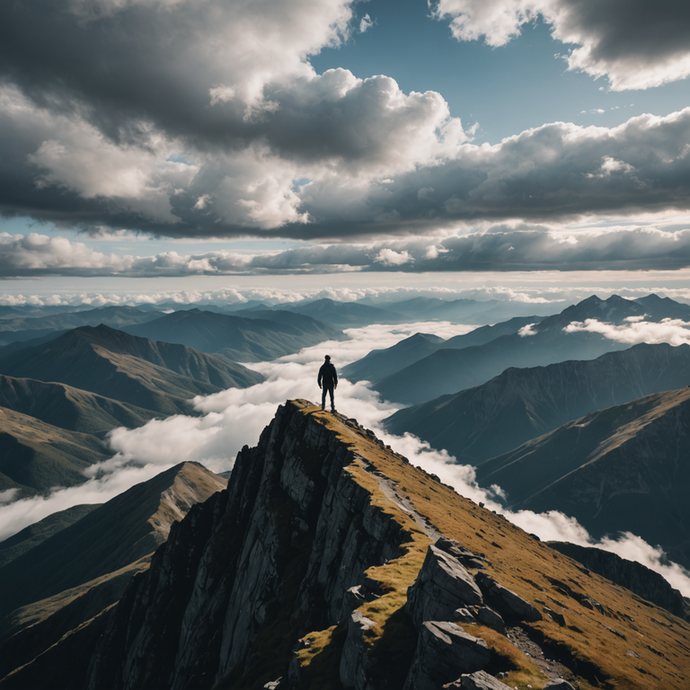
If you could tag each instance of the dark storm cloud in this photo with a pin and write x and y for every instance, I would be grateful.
(183, 119)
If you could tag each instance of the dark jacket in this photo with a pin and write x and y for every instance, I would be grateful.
(327, 375)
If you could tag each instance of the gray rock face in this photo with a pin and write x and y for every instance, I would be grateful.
(480, 680)
(293, 532)
(505, 601)
(353, 667)
(442, 587)
(444, 652)
(559, 684)
(467, 558)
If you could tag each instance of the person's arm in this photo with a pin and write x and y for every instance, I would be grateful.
(318, 378)
(335, 378)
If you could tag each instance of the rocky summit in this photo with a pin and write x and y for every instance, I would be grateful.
(331, 562)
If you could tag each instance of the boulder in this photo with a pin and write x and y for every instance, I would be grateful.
(444, 652)
(464, 615)
(511, 606)
(554, 616)
(442, 586)
(466, 557)
(559, 684)
(487, 616)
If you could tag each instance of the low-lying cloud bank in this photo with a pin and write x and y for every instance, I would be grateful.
(637, 330)
(235, 417)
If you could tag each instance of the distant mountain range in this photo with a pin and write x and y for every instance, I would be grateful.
(158, 376)
(91, 561)
(379, 364)
(451, 370)
(467, 310)
(346, 314)
(624, 468)
(520, 404)
(262, 336)
(58, 399)
(21, 328)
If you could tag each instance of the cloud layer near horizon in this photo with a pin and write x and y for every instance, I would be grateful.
(497, 248)
(235, 417)
(184, 118)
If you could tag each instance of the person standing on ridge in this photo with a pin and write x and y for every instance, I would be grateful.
(328, 382)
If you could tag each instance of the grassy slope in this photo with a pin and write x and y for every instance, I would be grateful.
(114, 535)
(539, 574)
(156, 376)
(35, 456)
(68, 407)
(31, 536)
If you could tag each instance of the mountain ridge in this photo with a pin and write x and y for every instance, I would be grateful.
(238, 338)
(119, 532)
(449, 371)
(154, 375)
(323, 565)
(618, 469)
(519, 404)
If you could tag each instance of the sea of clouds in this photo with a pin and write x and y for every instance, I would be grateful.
(235, 417)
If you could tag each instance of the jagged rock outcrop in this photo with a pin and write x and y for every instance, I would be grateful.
(479, 680)
(559, 684)
(509, 604)
(442, 587)
(292, 531)
(444, 652)
(353, 662)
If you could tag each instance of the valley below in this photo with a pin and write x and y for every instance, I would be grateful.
(173, 522)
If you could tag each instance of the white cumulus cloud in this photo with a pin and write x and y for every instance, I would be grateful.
(634, 43)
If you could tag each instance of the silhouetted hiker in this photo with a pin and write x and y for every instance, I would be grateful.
(328, 382)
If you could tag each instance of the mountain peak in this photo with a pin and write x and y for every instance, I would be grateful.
(331, 556)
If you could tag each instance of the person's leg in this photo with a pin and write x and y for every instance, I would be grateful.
(330, 390)
(323, 398)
